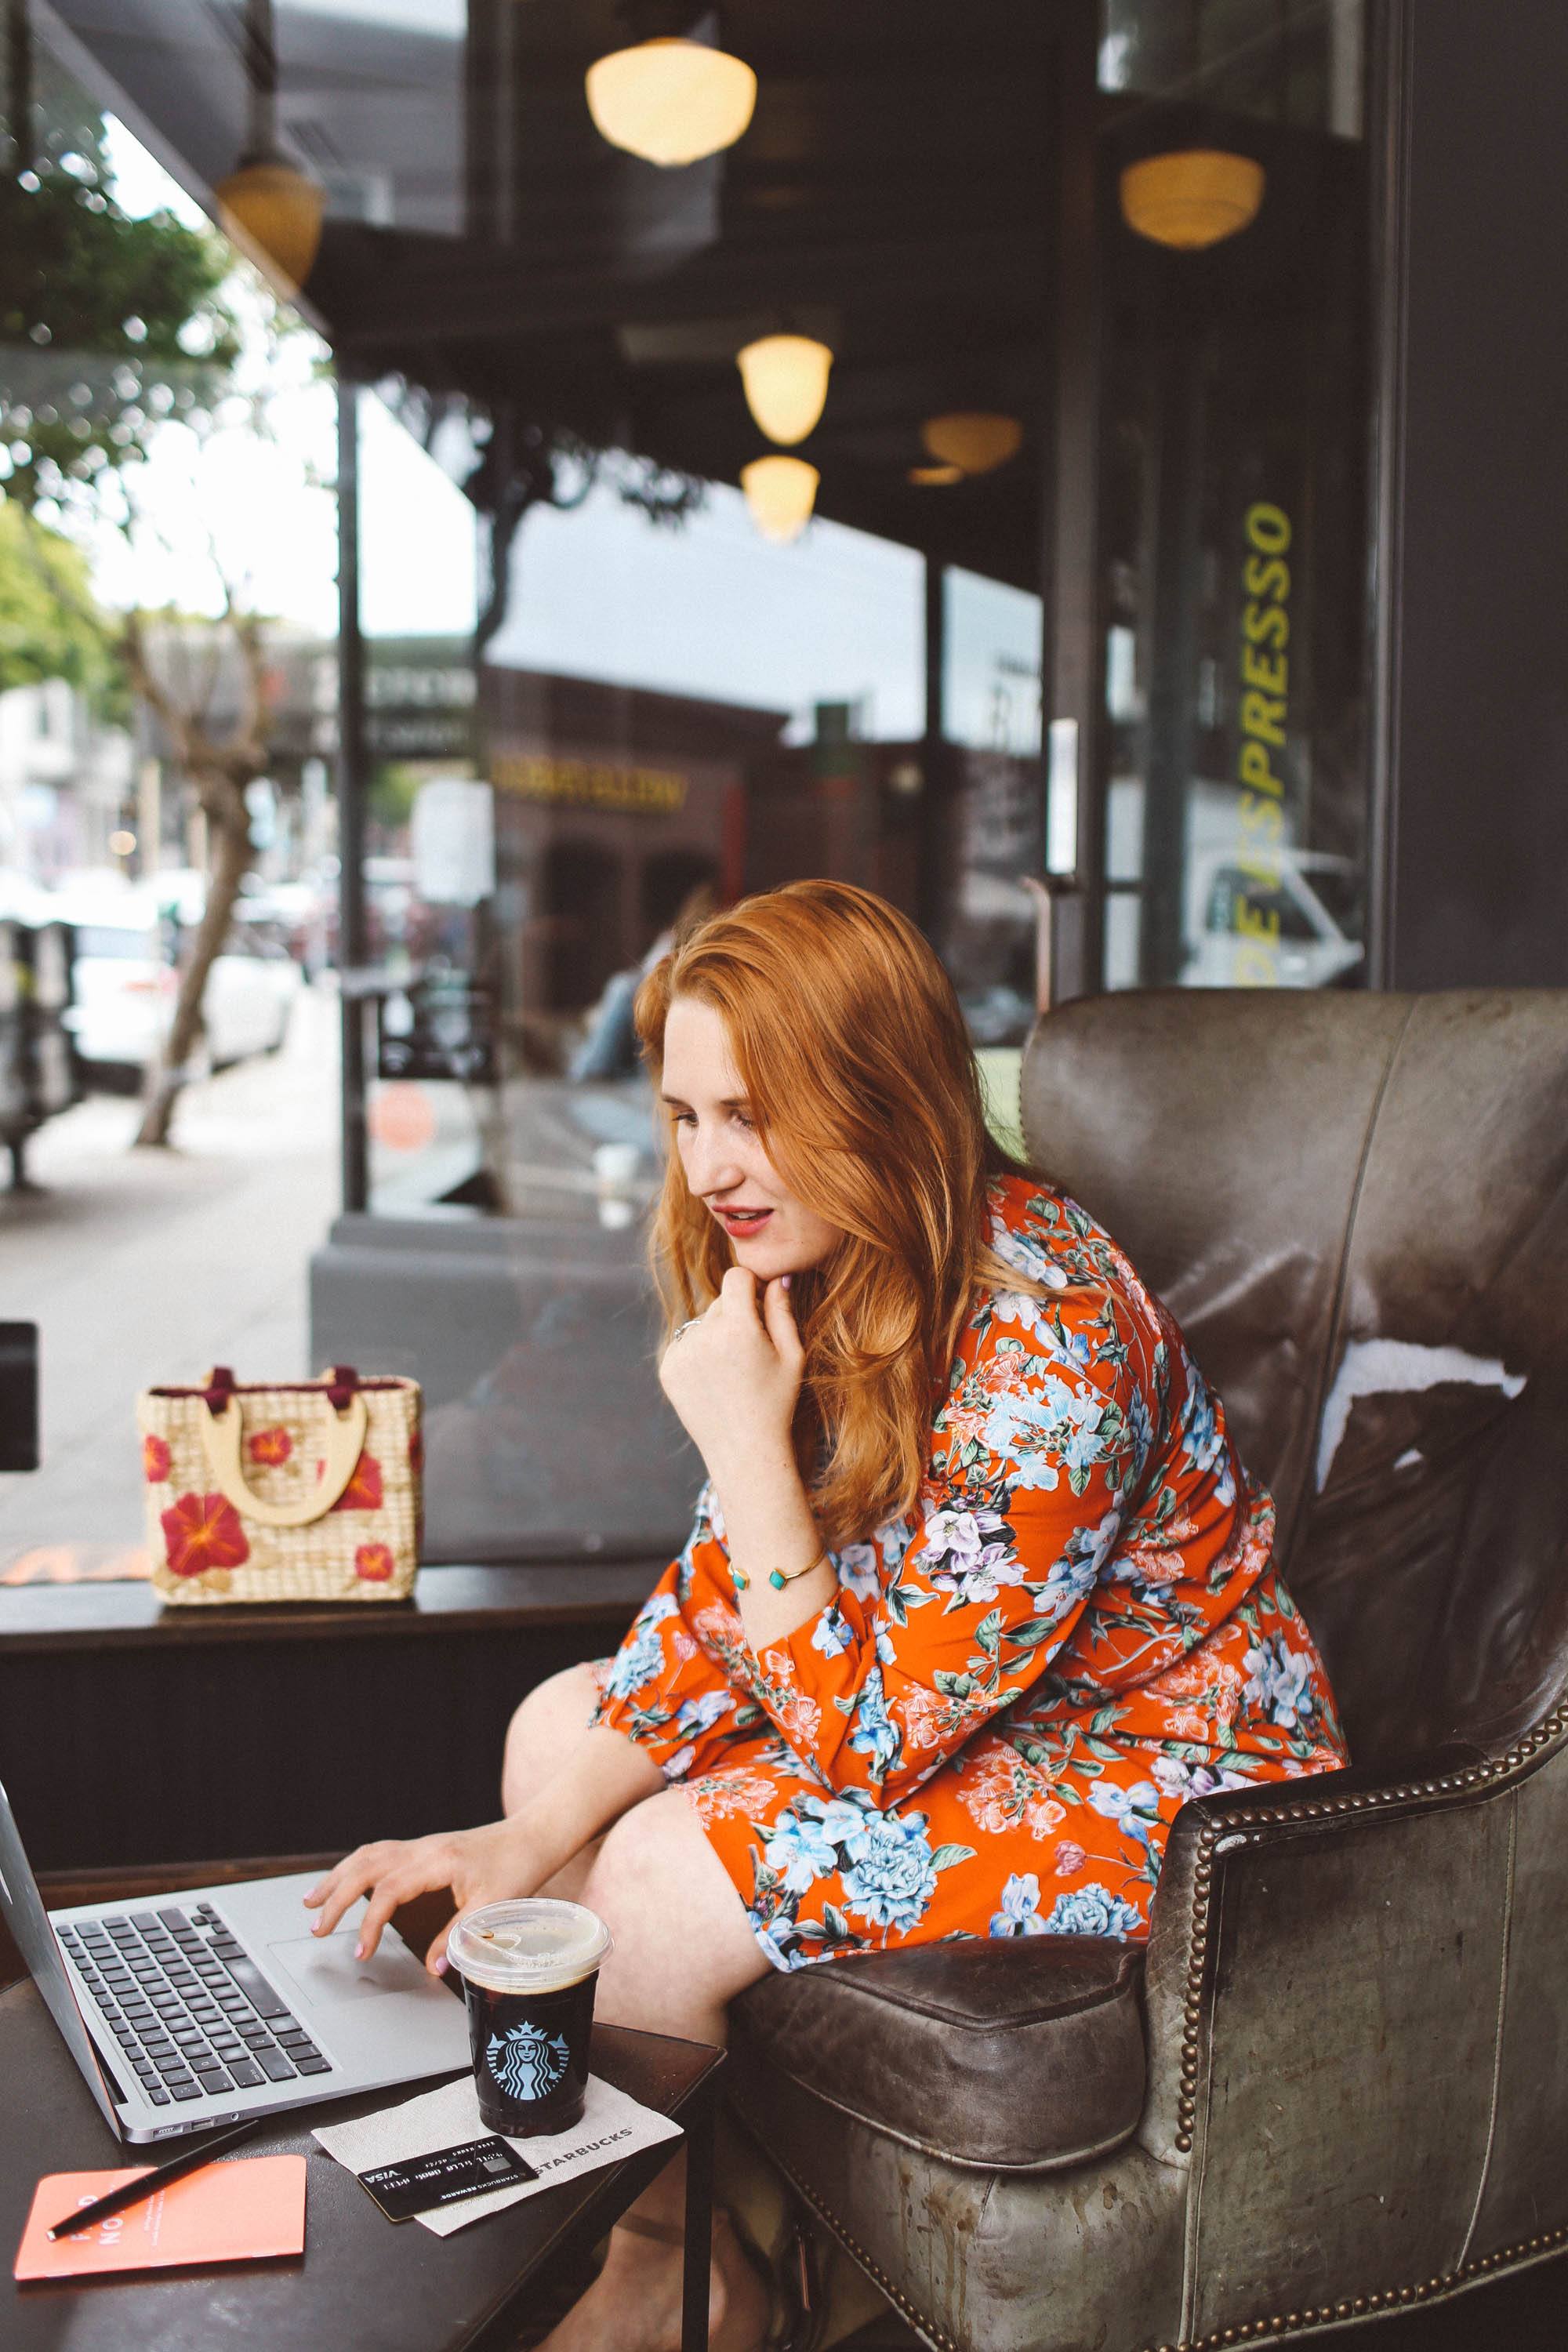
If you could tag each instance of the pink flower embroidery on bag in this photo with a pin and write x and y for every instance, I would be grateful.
(203, 1531)
(154, 1461)
(363, 1491)
(271, 1446)
(374, 1561)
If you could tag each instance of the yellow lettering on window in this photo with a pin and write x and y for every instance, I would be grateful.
(1256, 771)
(1269, 526)
(1263, 716)
(1254, 966)
(1270, 671)
(1265, 624)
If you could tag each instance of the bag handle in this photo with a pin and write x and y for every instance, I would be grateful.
(222, 1428)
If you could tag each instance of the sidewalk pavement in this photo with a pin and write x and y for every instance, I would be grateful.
(142, 1268)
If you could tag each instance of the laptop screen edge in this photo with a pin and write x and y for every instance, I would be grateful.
(22, 1907)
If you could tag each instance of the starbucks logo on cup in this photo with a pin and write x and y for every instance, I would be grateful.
(527, 2062)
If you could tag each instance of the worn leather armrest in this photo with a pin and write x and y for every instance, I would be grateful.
(1013, 2055)
(1181, 1940)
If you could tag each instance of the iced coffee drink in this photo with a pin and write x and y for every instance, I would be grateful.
(529, 1969)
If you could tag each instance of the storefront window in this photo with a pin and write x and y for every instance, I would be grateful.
(669, 712)
(168, 732)
(991, 720)
(622, 645)
(1234, 518)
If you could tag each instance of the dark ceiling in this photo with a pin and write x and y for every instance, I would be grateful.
(893, 195)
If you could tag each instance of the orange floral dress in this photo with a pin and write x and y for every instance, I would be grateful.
(991, 1727)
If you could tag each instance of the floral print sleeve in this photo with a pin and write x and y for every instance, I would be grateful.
(927, 1638)
(990, 1728)
(1037, 1452)
(939, 1630)
(668, 1687)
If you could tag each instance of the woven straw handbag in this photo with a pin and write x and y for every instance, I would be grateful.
(306, 1490)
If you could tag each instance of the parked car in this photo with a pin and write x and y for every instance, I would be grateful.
(37, 1076)
(1310, 916)
(126, 978)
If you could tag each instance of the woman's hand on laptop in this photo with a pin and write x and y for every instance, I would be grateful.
(482, 1865)
(608, 1774)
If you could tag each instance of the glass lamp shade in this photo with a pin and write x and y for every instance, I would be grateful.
(671, 101)
(935, 477)
(1192, 198)
(280, 210)
(972, 439)
(781, 493)
(786, 382)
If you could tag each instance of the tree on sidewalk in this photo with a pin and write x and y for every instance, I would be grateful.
(176, 679)
(128, 345)
(203, 680)
(204, 677)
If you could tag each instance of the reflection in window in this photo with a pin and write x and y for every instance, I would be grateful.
(1233, 511)
(991, 717)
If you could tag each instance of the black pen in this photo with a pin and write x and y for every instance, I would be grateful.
(132, 2192)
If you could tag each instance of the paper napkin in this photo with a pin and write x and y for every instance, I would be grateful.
(237, 2212)
(612, 2128)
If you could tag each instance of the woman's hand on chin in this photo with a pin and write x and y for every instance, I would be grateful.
(733, 1375)
(483, 1865)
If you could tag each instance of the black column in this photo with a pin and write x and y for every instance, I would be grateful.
(1472, 587)
(351, 781)
(1069, 569)
(934, 878)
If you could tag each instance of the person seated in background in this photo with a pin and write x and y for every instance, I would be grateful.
(978, 1592)
(608, 1046)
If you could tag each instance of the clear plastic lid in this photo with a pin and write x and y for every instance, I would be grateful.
(533, 1945)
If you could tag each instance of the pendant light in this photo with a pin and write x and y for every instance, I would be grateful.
(781, 493)
(275, 207)
(974, 440)
(935, 477)
(1191, 196)
(676, 97)
(784, 378)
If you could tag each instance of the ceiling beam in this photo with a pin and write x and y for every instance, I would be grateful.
(391, 287)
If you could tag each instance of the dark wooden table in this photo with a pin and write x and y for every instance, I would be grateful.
(362, 2281)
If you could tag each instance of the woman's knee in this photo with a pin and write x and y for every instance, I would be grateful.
(651, 1846)
(539, 1738)
(664, 1890)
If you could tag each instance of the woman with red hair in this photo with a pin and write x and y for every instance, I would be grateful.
(978, 1592)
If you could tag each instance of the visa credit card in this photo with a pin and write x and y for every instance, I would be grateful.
(445, 2176)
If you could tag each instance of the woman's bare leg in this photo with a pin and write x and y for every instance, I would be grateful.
(683, 1951)
(541, 1741)
(543, 1734)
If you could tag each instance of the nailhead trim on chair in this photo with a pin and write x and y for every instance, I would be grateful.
(1327, 2314)
(1362, 2307)
(1323, 2314)
(1551, 1727)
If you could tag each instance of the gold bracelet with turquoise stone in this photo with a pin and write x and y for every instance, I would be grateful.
(776, 1576)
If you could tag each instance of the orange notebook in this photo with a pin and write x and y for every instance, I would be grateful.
(230, 2212)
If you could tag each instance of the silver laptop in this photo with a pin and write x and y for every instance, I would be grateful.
(184, 2012)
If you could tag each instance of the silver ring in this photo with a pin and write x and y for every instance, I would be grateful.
(682, 1328)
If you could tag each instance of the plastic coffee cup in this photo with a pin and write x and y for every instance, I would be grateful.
(529, 1970)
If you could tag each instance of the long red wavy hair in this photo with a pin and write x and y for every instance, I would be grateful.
(847, 1033)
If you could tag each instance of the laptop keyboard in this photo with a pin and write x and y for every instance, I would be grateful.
(188, 2006)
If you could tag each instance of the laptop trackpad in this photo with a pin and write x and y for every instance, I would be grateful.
(323, 1970)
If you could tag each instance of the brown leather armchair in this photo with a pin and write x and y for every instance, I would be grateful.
(1337, 2085)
